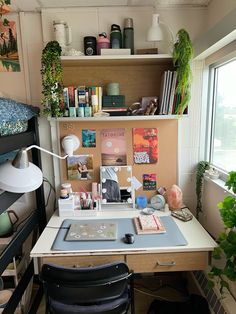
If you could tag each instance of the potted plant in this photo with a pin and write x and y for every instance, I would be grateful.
(182, 55)
(202, 166)
(226, 249)
(52, 87)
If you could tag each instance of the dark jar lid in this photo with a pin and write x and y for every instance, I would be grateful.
(90, 38)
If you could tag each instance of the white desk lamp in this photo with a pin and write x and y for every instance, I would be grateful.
(157, 33)
(20, 175)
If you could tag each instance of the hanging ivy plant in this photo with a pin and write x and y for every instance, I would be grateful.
(182, 55)
(202, 166)
(52, 87)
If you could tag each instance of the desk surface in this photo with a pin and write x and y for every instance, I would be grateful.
(197, 237)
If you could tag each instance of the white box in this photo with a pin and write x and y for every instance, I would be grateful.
(66, 206)
(119, 52)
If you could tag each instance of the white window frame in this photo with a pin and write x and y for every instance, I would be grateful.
(211, 111)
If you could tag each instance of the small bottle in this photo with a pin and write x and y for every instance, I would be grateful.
(80, 111)
(115, 37)
(87, 108)
(67, 186)
(128, 35)
(102, 42)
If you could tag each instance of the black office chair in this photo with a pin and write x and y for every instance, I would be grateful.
(99, 289)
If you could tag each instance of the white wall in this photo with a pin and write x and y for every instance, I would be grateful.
(218, 9)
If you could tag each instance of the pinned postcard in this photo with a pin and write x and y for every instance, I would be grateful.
(145, 145)
(88, 138)
(149, 181)
(113, 147)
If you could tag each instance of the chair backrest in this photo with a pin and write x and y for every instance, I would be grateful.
(85, 285)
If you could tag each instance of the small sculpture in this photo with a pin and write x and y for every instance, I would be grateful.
(174, 197)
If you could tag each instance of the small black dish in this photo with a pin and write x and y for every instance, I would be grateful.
(129, 238)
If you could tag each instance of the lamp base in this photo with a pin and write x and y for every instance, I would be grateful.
(147, 51)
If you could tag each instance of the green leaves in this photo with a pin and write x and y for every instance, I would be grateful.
(51, 72)
(182, 55)
(226, 251)
(202, 166)
(231, 182)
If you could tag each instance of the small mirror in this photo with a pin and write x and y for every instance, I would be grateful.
(116, 183)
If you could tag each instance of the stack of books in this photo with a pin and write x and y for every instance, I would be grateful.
(167, 92)
(146, 224)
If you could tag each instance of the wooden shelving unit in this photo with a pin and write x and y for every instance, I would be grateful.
(34, 224)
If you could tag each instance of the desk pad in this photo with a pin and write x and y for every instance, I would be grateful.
(172, 237)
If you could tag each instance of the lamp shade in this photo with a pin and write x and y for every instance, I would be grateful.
(20, 180)
(70, 143)
(155, 32)
(20, 175)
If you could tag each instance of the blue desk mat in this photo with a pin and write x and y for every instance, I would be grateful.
(172, 237)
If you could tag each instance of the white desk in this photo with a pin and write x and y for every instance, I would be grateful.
(193, 256)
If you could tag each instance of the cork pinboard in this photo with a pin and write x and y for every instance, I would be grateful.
(165, 169)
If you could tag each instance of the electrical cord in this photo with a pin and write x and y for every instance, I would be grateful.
(51, 188)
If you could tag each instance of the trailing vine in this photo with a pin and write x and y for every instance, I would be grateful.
(202, 166)
(182, 55)
(52, 87)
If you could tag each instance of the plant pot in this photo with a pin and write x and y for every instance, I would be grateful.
(4, 297)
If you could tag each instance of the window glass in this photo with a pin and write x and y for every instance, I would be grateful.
(223, 143)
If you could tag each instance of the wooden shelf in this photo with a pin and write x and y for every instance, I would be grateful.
(118, 118)
(115, 60)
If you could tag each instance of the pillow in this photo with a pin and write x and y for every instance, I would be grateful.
(13, 111)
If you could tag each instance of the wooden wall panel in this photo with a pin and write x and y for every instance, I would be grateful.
(135, 81)
(165, 169)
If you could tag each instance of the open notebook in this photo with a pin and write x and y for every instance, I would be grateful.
(90, 231)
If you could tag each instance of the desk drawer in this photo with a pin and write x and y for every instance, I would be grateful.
(141, 263)
(81, 261)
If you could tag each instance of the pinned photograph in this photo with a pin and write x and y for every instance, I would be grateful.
(80, 167)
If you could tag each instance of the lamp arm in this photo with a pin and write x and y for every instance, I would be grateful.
(46, 151)
(170, 31)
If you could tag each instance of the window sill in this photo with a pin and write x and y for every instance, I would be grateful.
(220, 183)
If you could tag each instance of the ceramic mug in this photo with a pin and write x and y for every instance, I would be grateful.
(6, 224)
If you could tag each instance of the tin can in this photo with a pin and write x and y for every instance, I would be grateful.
(90, 45)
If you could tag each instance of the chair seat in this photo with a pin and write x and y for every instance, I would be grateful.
(117, 306)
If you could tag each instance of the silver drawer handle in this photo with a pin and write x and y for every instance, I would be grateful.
(172, 263)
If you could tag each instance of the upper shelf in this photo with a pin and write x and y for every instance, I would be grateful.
(115, 60)
(119, 118)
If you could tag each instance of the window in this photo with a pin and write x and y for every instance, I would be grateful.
(223, 116)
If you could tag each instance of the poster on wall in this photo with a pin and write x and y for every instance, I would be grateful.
(113, 147)
(149, 181)
(80, 167)
(9, 59)
(88, 138)
(145, 145)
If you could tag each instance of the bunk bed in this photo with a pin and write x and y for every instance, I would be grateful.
(34, 224)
